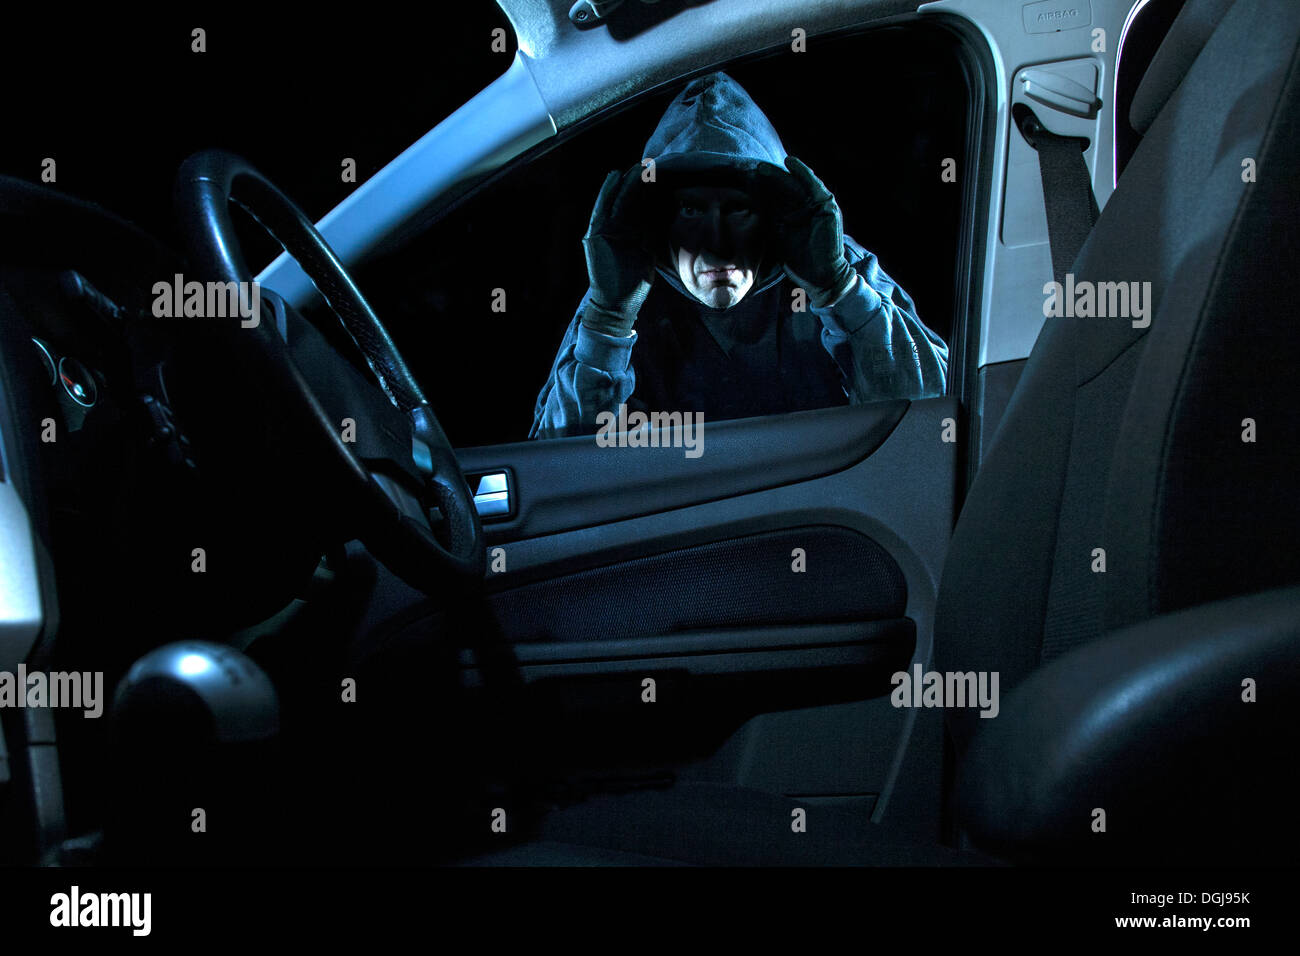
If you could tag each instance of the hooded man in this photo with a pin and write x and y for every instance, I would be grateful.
(742, 237)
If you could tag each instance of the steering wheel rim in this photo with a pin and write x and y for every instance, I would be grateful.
(208, 182)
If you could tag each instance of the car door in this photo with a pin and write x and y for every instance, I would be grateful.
(735, 612)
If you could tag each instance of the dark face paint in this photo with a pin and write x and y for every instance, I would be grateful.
(716, 243)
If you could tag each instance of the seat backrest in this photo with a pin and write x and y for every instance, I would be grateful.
(1128, 434)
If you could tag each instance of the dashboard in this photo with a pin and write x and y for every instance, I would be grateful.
(70, 432)
(103, 498)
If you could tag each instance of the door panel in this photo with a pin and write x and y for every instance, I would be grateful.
(750, 581)
(900, 495)
(566, 483)
(745, 651)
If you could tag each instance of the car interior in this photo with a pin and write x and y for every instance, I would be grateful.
(347, 613)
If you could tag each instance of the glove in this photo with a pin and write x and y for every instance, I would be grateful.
(620, 268)
(808, 233)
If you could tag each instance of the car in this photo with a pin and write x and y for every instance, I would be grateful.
(286, 581)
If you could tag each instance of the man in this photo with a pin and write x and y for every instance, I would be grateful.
(765, 305)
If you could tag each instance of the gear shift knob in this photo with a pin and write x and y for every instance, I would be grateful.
(218, 686)
(194, 727)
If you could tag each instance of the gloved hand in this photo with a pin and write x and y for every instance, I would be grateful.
(620, 268)
(808, 232)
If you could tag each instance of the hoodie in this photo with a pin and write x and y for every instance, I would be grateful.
(759, 357)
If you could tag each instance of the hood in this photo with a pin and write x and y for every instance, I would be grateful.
(713, 132)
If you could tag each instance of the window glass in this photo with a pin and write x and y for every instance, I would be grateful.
(792, 247)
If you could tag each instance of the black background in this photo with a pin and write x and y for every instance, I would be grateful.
(120, 101)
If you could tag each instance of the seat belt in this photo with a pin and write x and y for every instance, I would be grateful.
(1067, 189)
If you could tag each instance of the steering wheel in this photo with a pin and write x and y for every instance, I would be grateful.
(397, 466)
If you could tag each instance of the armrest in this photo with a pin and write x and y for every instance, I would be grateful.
(1148, 724)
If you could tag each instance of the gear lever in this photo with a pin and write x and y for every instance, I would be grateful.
(194, 729)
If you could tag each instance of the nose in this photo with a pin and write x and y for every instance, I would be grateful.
(716, 234)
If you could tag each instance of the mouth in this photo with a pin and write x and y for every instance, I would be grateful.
(719, 275)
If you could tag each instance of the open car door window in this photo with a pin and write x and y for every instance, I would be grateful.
(762, 579)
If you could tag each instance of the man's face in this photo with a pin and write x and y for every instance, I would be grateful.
(716, 242)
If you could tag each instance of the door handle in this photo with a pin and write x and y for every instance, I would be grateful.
(492, 494)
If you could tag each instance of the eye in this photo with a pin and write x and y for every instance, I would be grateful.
(690, 211)
(739, 209)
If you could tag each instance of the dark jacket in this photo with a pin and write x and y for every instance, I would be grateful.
(759, 357)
